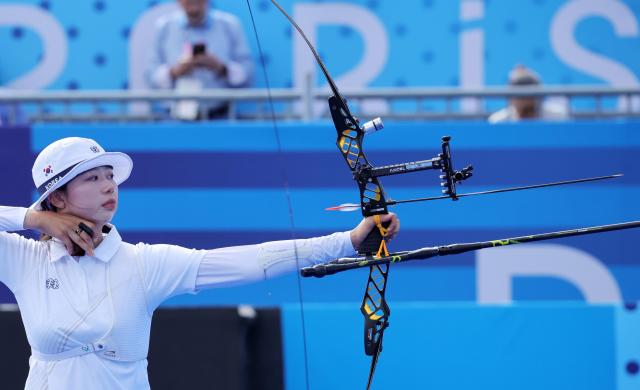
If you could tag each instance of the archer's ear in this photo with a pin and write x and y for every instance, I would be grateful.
(57, 199)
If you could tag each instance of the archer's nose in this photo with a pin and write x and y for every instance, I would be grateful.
(110, 187)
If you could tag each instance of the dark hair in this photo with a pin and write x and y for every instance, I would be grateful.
(47, 206)
(524, 80)
(520, 75)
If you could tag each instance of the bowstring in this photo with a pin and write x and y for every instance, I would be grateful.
(287, 191)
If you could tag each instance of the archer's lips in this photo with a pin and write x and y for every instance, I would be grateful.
(109, 205)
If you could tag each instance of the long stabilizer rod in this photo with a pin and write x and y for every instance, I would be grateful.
(348, 263)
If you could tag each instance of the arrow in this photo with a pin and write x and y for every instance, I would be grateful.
(353, 207)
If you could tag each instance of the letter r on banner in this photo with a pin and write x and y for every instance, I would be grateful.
(376, 45)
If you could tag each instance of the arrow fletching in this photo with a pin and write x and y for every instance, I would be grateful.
(346, 207)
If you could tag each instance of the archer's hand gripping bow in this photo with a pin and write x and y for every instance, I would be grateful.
(374, 202)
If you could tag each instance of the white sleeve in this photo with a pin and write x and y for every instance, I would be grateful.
(237, 74)
(500, 116)
(17, 254)
(168, 270)
(157, 70)
(12, 218)
(161, 77)
(237, 265)
(240, 64)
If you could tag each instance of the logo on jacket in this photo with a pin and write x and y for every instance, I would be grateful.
(52, 283)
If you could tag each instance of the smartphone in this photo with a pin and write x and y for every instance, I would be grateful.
(199, 48)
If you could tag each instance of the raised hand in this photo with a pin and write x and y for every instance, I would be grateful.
(65, 227)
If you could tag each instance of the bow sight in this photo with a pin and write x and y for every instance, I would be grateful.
(374, 201)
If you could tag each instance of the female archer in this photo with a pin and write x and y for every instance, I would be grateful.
(86, 297)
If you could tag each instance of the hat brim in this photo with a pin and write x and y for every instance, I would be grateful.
(121, 163)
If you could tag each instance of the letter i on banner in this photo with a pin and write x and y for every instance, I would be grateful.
(471, 52)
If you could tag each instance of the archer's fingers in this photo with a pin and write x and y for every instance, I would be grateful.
(89, 229)
(394, 226)
(384, 218)
(86, 247)
(87, 241)
(68, 243)
(77, 237)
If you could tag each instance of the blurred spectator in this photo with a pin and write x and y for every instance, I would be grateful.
(10, 113)
(527, 107)
(4, 110)
(199, 48)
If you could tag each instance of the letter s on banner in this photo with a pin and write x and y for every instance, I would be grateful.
(496, 269)
(571, 53)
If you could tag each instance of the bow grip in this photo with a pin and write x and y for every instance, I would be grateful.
(371, 243)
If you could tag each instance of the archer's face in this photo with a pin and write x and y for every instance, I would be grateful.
(92, 195)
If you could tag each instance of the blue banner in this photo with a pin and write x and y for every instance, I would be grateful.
(462, 346)
(382, 43)
(221, 184)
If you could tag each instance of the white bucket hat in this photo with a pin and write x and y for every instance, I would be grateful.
(65, 159)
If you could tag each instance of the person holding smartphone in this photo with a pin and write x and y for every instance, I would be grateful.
(199, 48)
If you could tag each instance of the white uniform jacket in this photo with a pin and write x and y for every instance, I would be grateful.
(88, 319)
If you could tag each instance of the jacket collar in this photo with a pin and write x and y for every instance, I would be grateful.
(104, 252)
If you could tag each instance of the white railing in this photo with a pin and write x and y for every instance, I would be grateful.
(310, 103)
